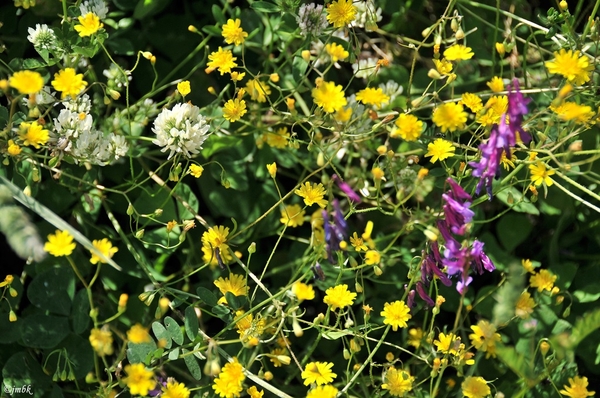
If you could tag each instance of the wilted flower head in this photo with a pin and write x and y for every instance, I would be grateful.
(181, 130)
(312, 19)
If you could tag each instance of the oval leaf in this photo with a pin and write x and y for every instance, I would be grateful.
(174, 330)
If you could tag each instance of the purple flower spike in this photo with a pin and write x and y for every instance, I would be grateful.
(424, 296)
(345, 187)
(335, 231)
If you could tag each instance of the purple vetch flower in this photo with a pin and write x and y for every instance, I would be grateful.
(503, 136)
(480, 260)
(345, 187)
(424, 296)
(335, 231)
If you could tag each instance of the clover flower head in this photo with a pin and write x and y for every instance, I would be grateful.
(42, 37)
(367, 15)
(311, 19)
(181, 130)
(97, 7)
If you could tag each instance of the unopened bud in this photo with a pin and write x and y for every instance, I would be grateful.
(460, 34)
(123, 301)
(501, 49)
(114, 94)
(544, 347)
(306, 55)
(192, 29)
(426, 32)
(575, 146)
(252, 248)
(346, 354)
(12, 317)
(130, 209)
(358, 287)
(454, 25)
(434, 74)
(139, 234)
(378, 271)
(563, 5)
(147, 54)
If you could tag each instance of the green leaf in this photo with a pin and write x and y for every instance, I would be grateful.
(80, 313)
(235, 301)
(148, 8)
(3, 117)
(331, 335)
(53, 290)
(43, 331)
(222, 312)
(174, 330)
(515, 361)
(588, 293)
(161, 333)
(584, 326)
(23, 370)
(184, 192)
(519, 202)
(211, 30)
(80, 354)
(192, 365)
(191, 323)
(32, 63)
(137, 353)
(299, 66)
(263, 6)
(174, 354)
(207, 296)
(218, 143)
(10, 331)
(512, 230)
(217, 12)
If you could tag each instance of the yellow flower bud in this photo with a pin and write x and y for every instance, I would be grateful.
(12, 317)
(192, 29)
(306, 55)
(274, 77)
(500, 49)
(563, 5)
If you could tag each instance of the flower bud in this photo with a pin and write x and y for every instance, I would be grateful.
(346, 354)
(192, 29)
(563, 5)
(501, 49)
(460, 34)
(12, 317)
(123, 301)
(454, 25)
(252, 248)
(434, 74)
(139, 234)
(378, 271)
(114, 94)
(544, 347)
(306, 55)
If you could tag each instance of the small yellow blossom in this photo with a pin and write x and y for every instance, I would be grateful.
(396, 314)
(458, 52)
(318, 373)
(501, 49)
(89, 24)
(13, 149)
(223, 60)
(340, 13)
(450, 117)
(60, 244)
(234, 109)
(336, 52)
(329, 96)
(229, 382)
(138, 334)
(540, 174)
(415, 336)
(302, 291)
(68, 82)
(339, 297)
(409, 127)
(568, 111)
(443, 66)
(398, 382)
(234, 283)
(196, 170)
(472, 102)
(184, 88)
(342, 115)
(358, 243)
(377, 173)
(543, 280)
(233, 33)
(577, 388)
(33, 134)
(272, 169)
(325, 391)
(484, 337)
(372, 257)
(524, 306)
(440, 149)
(496, 84)
(237, 76)
(475, 387)
(101, 341)
(26, 82)
(292, 216)
(372, 96)
(105, 247)
(312, 194)
(571, 65)
(139, 379)
(254, 393)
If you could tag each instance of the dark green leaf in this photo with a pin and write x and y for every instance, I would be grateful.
(235, 301)
(53, 290)
(207, 296)
(32, 63)
(147, 8)
(218, 14)
(513, 229)
(263, 6)
(80, 354)
(584, 326)
(161, 333)
(222, 312)
(80, 313)
(137, 353)
(23, 370)
(43, 331)
(191, 323)
(174, 330)
(299, 66)
(192, 365)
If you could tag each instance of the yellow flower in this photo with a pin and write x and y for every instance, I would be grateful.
(90, 24)
(343, 115)
(68, 83)
(33, 134)
(372, 96)
(13, 149)
(302, 291)
(495, 107)
(234, 109)
(458, 52)
(229, 382)
(581, 114)
(340, 13)
(318, 372)
(540, 174)
(450, 117)
(105, 247)
(223, 60)
(175, 390)
(139, 379)
(409, 127)
(415, 336)
(372, 257)
(329, 96)
(524, 306)
(272, 169)
(312, 194)
(26, 81)
(339, 297)
(278, 139)
(184, 88)
(507, 163)
(60, 244)
(234, 283)
(484, 337)
(496, 84)
(377, 173)
(196, 170)
(233, 33)
(448, 343)
(237, 76)
(258, 91)
(398, 382)
(440, 150)
(577, 388)
(138, 334)
(215, 238)
(396, 314)
(101, 341)
(472, 102)
(444, 67)
(501, 49)
(326, 391)
(254, 393)
(358, 243)
(475, 387)
(336, 52)
(8, 279)
(292, 216)
(569, 64)
(543, 280)
(528, 265)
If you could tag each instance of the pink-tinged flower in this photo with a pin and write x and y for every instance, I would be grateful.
(345, 187)
(335, 232)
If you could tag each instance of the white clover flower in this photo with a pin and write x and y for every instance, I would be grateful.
(42, 37)
(392, 89)
(43, 97)
(312, 19)
(98, 7)
(92, 147)
(118, 145)
(366, 15)
(81, 104)
(70, 125)
(364, 68)
(181, 130)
